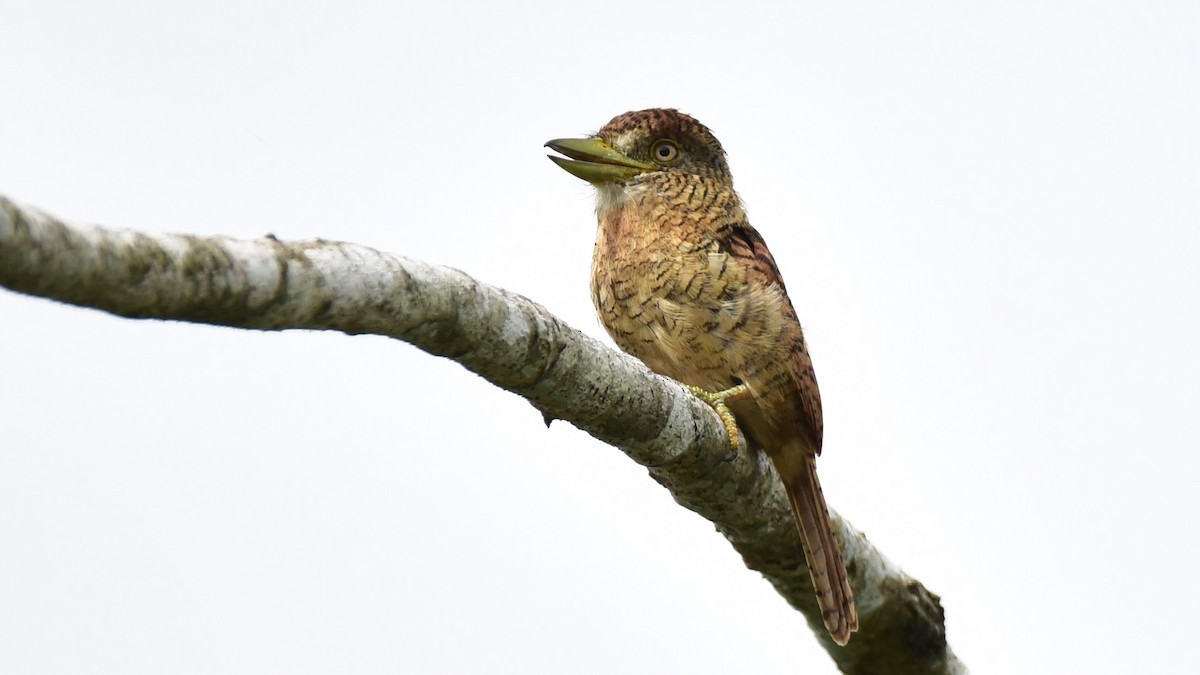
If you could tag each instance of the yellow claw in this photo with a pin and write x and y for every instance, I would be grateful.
(717, 399)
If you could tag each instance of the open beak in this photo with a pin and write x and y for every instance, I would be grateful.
(595, 161)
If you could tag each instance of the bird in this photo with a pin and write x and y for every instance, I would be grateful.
(681, 281)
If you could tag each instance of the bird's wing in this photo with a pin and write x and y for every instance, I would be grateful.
(743, 243)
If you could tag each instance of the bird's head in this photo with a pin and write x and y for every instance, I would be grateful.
(636, 146)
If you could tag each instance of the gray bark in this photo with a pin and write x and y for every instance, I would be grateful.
(516, 344)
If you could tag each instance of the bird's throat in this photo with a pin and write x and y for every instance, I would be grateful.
(611, 197)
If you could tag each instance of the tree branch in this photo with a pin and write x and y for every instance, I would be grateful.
(516, 344)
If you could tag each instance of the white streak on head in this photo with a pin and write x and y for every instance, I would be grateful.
(626, 141)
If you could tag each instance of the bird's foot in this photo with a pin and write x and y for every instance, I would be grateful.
(717, 400)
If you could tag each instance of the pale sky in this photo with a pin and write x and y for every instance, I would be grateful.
(987, 219)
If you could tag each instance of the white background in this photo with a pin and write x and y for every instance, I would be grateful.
(987, 219)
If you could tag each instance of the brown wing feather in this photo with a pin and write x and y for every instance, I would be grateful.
(745, 244)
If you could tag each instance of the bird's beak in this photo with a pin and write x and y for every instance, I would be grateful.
(595, 161)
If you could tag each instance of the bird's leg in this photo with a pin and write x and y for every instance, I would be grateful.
(717, 400)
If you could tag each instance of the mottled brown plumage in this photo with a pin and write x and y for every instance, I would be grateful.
(684, 283)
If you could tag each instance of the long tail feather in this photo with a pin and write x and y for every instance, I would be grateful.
(821, 550)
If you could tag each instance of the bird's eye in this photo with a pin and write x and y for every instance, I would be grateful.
(666, 152)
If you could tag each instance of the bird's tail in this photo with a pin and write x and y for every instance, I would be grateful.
(821, 550)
